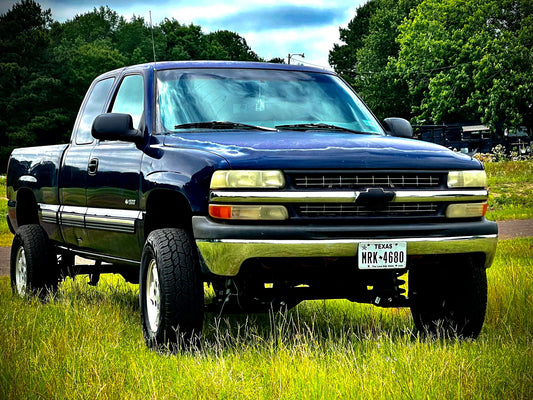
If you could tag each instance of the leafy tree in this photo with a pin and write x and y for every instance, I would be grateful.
(82, 62)
(370, 42)
(134, 41)
(465, 59)
(277, 60)
(343, 57)
(83, 48)
(27, 91)
(376, 81)
(24, 33)
(183, 42)
(442, 61)
(100, 24)
(227, 45)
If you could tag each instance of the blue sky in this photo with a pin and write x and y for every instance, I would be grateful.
(272, 28)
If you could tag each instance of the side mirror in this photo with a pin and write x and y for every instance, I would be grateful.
(398, 127)
(114, 126)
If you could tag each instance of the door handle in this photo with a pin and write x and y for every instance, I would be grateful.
(93, 166)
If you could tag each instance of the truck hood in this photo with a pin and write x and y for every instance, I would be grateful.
(321, 150)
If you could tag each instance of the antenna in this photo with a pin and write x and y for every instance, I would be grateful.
(152, 29)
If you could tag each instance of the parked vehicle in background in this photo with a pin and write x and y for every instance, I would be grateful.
(270, 183)
(470, 138)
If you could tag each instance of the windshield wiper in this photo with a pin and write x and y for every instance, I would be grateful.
(221, 125)
(320, 126)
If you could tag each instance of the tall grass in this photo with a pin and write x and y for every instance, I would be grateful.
(86, 343)
(5, 236)
(511, 190)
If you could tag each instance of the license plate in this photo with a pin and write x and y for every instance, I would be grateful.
(382, 255)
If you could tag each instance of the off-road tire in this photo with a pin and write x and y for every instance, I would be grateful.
(449, 301)
(171, 291)
(33, 266)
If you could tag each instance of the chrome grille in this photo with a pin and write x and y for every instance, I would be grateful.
(352, 210)
(365, 179)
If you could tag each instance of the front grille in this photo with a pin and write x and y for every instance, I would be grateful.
(355, 180)
(352, 210)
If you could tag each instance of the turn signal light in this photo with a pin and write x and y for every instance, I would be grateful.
(247, 212)
(466, 210)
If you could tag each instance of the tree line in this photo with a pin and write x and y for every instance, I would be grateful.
(429, 61)
(442, 61)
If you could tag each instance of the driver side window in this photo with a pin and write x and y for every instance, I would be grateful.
(130, 98)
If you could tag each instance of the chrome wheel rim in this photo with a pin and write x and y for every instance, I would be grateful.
(21, 272)
(153, 296)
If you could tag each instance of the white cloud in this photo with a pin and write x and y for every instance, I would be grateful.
(314, 43)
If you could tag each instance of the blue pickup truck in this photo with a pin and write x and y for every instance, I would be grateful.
(263, 185)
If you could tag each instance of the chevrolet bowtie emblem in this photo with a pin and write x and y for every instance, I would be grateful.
(375, 198)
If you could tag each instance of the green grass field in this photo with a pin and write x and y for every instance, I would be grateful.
(87, 344)
(511, 190)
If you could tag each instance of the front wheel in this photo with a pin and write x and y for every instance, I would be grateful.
(33, 265)
(449, 300)
(171, 290)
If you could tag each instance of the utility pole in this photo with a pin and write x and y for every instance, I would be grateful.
(295, 54)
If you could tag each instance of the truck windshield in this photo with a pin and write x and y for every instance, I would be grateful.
(192, 99)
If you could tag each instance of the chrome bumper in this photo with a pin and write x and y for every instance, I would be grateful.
(225, 256)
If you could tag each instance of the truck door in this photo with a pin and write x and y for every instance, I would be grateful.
(113, 181)
(73, 172)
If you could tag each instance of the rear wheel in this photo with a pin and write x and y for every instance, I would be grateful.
(449, 301)
(33, 266)
(171, 290)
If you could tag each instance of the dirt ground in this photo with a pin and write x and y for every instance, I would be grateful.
(507, 230)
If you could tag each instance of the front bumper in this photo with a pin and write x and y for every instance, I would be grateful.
(224, 247)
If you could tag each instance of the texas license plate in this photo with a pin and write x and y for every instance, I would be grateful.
(382, 255)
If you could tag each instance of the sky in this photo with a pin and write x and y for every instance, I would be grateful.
(272, 28)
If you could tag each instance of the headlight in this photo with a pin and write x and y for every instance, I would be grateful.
(247, 179)
(467, 179)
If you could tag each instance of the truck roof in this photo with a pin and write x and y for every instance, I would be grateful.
(164, 65)
(161, 65)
